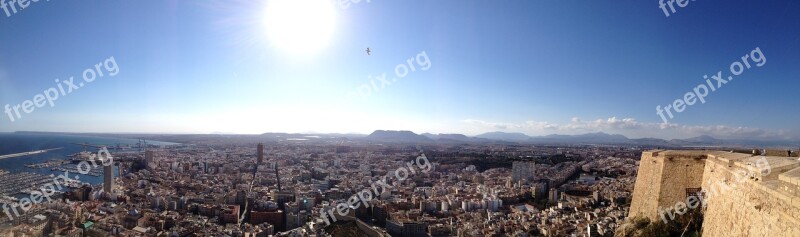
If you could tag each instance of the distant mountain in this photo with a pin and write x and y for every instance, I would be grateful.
(397, 136)
(713, 142)
(649, 141)
(446, 136)
(504, 136)
(591, 138)
(454, 138)
(617, 139)
(702, 140)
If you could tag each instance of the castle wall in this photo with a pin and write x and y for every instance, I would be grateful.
(647, 186)
(743, 195)
(662, 180)
(739, 205)
(679, 173)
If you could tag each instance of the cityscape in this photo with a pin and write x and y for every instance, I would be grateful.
(331, 186)
(351, 118)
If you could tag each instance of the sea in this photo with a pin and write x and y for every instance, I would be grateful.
(13, 143)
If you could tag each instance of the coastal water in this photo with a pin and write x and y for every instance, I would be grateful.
(12, 143)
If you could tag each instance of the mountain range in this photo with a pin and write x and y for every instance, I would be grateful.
(600, 138)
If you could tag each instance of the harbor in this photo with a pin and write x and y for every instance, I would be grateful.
(47, 154)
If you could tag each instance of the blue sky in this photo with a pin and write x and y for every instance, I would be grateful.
(536, 67)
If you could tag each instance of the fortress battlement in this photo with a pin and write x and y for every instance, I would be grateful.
(743, 194)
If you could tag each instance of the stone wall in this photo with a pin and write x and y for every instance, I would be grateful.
(681, 172)
(748, 202)
(647, 186)
(743, 195)
(662, 180)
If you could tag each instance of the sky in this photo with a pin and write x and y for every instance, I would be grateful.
(470, 67)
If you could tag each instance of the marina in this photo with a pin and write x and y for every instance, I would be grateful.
(74, 169)
(16, 183)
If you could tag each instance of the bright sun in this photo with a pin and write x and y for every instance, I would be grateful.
(300, 26)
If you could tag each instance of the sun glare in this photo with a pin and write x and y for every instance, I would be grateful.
(300, 26)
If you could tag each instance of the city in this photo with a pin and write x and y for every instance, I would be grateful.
(294, 187)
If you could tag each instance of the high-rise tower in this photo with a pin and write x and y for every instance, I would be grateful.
(260, 153)
(108, 178)
(278, 176)
(148, 159)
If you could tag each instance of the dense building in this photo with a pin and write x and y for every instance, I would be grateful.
(553, 195)
(230, 214)
(406, 229)
(522, 171)
(273, 217)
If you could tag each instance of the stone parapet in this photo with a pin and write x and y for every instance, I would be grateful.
(744, 195)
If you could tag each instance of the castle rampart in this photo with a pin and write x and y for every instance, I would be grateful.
(742, 194)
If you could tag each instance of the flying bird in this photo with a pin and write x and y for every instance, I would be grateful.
(369, 51)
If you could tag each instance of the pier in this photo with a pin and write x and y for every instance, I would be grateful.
(30, 153)
(48, 164)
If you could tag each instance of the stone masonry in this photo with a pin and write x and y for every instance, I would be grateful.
(743, 195)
